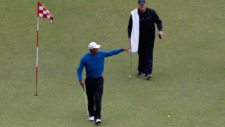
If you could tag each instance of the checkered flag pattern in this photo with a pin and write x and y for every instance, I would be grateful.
(44, 12)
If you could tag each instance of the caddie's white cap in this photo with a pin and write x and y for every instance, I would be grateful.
(93, 45)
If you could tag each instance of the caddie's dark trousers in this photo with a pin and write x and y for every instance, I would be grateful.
(145, 62)
(94, 89)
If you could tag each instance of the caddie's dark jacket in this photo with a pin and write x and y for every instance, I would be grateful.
(147, 28)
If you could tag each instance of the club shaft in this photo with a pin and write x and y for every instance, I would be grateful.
(85, 99)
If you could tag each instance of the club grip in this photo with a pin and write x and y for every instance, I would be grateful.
(160, 37)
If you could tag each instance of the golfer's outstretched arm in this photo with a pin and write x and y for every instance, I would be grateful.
(114, 52)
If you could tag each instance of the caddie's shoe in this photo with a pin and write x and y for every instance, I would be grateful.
(97, 121)
(139, 74)
(148, 76)
(91, 118)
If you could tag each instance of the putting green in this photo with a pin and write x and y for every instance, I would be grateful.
(188, 78)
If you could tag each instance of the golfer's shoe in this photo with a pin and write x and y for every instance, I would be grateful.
(91, 118)
(139, 74)
(97, 121)
(148, 76)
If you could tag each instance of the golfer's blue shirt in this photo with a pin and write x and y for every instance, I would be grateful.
(94, 64)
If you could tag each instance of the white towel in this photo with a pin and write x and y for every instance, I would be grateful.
(135, 31)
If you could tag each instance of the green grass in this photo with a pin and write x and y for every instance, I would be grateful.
(188, 80)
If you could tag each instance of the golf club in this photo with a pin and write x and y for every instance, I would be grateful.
(85, 98)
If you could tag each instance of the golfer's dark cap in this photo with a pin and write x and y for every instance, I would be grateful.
(141, 1)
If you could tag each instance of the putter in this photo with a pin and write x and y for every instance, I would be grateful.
(85, 99)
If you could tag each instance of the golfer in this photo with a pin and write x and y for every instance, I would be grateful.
(141, 28)
(93, 63)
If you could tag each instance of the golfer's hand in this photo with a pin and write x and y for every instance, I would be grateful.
(82, 83)
(126, 49)
(160, 34)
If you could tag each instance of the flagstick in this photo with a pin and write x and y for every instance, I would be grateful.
(130, 64)
(130, 61)
(36, 90)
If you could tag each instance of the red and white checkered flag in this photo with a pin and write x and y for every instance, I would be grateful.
(44, 12)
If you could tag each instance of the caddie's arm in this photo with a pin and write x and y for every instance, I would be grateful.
(158, 22)
(129, 28)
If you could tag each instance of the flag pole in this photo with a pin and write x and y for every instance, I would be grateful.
(130, 50)
(130, 64)
(37, 39)
(44, 13)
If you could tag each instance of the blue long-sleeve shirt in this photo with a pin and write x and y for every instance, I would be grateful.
(94, 63)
